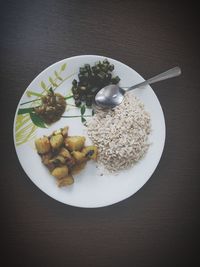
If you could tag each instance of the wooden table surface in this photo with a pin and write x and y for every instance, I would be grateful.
(157, 226)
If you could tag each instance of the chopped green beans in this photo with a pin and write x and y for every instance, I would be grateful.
(91, 80)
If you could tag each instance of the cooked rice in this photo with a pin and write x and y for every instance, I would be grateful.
(121, 134)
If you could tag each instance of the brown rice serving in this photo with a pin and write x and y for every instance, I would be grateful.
(121, 134)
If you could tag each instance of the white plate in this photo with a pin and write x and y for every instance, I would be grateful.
(90, 188)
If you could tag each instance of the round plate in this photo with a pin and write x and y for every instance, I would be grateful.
(91, 188)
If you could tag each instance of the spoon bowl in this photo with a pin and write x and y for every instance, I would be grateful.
(112, 95)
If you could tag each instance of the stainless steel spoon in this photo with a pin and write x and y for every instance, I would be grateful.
(113, 95)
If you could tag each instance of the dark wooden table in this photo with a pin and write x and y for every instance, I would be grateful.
(158, 226)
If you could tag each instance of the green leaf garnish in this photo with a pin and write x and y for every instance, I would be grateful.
(51, 90)
(83, 119)
(82, 110)
(37, 120)
(25, 110)
(68, 97)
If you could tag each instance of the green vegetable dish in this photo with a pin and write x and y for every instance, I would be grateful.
(91, 80)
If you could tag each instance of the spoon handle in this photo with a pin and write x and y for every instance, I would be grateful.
(176, 71)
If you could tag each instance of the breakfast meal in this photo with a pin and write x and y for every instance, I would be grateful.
(91, 80)
(64, 155)
(121, 134)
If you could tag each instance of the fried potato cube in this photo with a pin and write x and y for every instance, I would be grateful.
(56, 141)
(64, 131)
(60, 172)
(78, 167)
(65, 153)
(74, 143)
(70, 163)
(79, 156)
(68, 180)
(46, 160)
(42, 145)
(57, 132)
(57, 160)
(90, 152)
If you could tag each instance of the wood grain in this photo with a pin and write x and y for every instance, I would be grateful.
(157, 226)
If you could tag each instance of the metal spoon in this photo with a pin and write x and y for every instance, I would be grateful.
(113, 95)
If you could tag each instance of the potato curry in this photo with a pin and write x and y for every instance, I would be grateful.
(64, 155)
